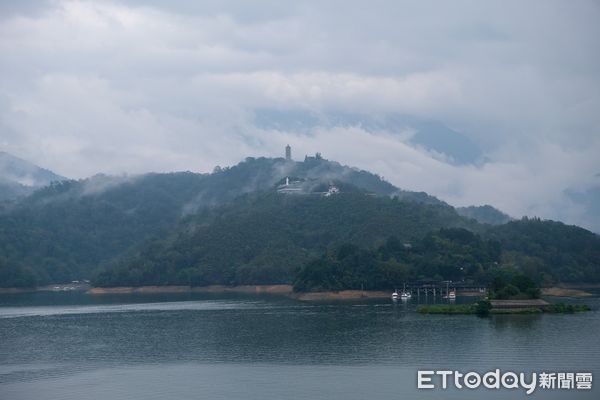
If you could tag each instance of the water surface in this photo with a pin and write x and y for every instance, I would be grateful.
(200, 346)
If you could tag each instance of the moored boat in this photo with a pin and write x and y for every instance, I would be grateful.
(405, 295)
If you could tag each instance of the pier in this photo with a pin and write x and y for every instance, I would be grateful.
(442, 288)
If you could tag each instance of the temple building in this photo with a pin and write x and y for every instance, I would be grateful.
(288, 152)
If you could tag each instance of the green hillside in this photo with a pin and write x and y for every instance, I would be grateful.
(447, 254)
(550, 250)
(69, 229)
(544, 252)
(231, 227)
(266, 238)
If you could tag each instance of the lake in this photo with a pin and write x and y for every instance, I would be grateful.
(69, 345)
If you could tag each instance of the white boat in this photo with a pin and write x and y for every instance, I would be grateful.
(405, 295)
(395, 295)
(450, 294)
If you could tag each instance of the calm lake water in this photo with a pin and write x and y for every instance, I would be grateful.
(73, 346)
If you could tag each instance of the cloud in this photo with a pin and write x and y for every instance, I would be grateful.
(123, 87)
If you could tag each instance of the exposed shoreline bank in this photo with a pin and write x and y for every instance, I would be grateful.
(284, 290)
(287, 290)
(279, 289)
(248, 289)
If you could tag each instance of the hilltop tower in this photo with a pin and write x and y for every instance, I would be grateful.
(288, 152)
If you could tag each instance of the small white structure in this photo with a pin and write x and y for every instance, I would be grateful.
(288, 187)
(331, 191)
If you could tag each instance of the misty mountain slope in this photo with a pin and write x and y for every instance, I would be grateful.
(66, 230)
(20, 178)
(484, 214)
(70, 229)
(13, 190)
(265, 238)
(224, 184)
(269, 238)
(262, 174)
(63, 231)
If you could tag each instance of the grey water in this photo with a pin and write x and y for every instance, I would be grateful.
(71, 345)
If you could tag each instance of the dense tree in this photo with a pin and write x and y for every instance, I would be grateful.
(266, 238)
(15, 275)
(550, 250)
(448, 254)
(519, 286)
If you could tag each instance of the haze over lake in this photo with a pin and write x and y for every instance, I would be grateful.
(73, 346)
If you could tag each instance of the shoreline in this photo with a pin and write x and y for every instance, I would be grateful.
(138, 289)
(283, 290)
(276, 289)
(247, 289)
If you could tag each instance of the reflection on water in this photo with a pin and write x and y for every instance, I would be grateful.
(61, 345)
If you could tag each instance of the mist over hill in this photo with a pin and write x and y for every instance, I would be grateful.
(485, 214)
(68, 229)
(19, 178)
(233, 226)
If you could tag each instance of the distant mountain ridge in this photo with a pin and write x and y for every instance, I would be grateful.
(19, 177)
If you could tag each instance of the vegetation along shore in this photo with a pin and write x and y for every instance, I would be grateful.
(485, 307)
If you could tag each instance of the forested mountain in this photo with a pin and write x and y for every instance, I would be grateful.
(543, 251)
(64, 231)
(550, 249)
(231, 226)
(351, 241)
(68, 229)
(445, 254)
(266, 238)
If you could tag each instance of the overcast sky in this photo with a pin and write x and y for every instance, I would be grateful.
(120, 87)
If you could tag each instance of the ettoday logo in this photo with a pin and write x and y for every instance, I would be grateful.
(497, 379)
